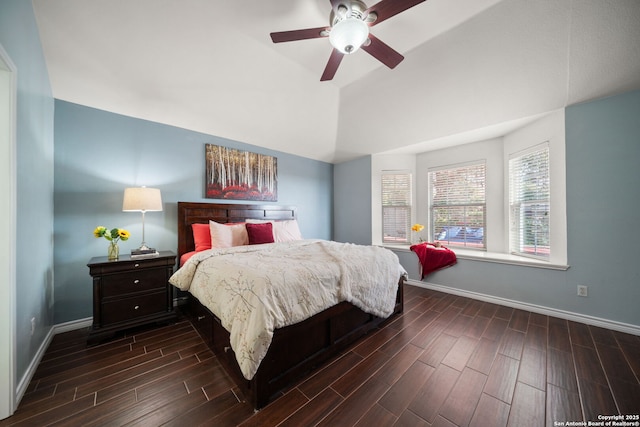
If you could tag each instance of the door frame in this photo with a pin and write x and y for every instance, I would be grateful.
(8, 224)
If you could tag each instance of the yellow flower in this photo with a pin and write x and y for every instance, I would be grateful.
(112, 235)
(417, 228)
(99, 231)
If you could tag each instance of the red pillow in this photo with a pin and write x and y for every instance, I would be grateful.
(260, 233)
(201, 237)
(185, 257)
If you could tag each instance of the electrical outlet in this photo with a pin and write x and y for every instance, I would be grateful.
(583, 290)
(33, 325)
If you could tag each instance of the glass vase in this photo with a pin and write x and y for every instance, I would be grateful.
(113, 251)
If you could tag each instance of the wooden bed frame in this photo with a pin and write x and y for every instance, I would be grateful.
(295, 350)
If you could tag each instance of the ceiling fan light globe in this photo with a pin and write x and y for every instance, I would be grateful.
(348, 35)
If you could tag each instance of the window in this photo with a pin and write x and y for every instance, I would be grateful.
(529, 203)
(396, 206)
(463, 196)
(457, 205)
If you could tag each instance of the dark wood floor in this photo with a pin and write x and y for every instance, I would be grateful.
(447, 361)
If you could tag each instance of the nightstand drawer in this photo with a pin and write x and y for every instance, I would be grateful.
(126, 309)
(130, 292)
(130, 265)
(135, 281)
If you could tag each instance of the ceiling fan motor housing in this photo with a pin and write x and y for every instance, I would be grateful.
(347, 9)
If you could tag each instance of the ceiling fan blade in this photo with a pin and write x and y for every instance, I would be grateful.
(382, 52)
(386, 9)
(309, 33)
(332, 65)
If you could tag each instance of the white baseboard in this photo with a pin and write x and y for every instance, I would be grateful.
(562, 314)
(31, 370)
(73, 325)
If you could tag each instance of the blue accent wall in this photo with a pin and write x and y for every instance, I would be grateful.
(34, 134)
(98, 154)
(352, 194)
(603, 204)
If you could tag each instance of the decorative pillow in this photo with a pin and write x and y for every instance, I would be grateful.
(201, 236)
(283, 231)
(258, 221)
(185, 257)
(260, 233)
(227, 235)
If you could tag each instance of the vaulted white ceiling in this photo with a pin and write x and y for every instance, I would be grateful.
(472, 69)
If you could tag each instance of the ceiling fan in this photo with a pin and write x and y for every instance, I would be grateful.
(348, 31)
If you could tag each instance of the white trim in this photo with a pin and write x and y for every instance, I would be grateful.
(528, 150)
(380, 162)
(479, 161)
(510, 259)
(562, 314)
(33, 366)
(430, 205)
(496, 257)
(548, 130)
(72, 325)
(31, 369)
(8, 121)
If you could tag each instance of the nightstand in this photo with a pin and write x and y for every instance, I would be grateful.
(130, 292)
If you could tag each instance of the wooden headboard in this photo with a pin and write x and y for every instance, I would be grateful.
(196, 212)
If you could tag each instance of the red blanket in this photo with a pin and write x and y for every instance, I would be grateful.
(433, 258)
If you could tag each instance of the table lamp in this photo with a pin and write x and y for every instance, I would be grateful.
(142, 199)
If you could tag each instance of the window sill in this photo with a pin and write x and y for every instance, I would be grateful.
(495, 257)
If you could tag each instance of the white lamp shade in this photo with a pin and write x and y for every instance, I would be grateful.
(348, 35)
(141, 199)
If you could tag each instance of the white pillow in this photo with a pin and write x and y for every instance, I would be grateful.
(283, 231)
(227, 236)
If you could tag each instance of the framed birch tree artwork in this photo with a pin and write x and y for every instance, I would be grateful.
(240, 175)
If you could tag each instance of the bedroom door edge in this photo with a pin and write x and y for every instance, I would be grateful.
(8, 190)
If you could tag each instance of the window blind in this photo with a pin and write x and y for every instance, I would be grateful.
(458, 205)
(529, 203)
(396, 206)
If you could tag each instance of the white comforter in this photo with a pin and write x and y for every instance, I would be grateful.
(256, 289)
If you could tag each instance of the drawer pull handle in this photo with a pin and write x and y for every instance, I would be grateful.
(201, 317)
(136, 265)
(136, 307)
(226, 349)
(136, 281)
